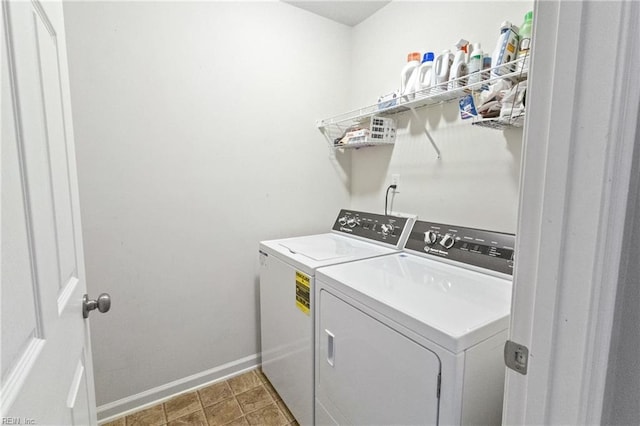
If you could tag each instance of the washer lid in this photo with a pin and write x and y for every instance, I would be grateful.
(318, 249)
(451, 306)
(314, 251)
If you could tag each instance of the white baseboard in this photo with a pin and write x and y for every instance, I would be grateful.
(148, 398)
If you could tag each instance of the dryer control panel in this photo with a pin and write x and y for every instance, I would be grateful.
(391, 230)
(485, 249)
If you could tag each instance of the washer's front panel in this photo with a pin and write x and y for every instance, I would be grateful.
(376, 227)
(286, 334)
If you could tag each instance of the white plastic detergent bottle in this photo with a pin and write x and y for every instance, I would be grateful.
(425, 74)
(475, 64)
(409, 74)
(441, 67)
(506, 49)
(469, 49)
(458, 70)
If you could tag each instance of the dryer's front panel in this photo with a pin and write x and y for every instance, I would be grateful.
(369, 373)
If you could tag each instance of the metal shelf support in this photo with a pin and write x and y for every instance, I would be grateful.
(426, 132)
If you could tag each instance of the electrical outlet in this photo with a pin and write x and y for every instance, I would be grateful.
(395, 179)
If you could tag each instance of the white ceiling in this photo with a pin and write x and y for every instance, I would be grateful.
(346, 12)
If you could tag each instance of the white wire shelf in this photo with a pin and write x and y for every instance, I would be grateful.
(334, 127)
(356, 145)
(500, 123)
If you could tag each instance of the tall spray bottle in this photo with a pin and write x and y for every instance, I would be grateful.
(459, 68)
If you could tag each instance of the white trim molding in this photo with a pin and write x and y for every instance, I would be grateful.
(148, 398)
(576, 175)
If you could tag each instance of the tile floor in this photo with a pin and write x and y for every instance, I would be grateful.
(247, 399)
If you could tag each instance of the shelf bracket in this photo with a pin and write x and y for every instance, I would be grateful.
(426, 132)
(324, 132)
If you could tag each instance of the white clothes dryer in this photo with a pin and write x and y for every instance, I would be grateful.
(416, 337)
(287, 282)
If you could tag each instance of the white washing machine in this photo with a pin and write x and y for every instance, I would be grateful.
(416, 337)
(287, 283)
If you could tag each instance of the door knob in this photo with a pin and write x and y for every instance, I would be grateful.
(103, 304)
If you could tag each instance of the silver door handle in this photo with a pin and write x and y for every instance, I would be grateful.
(103, 304)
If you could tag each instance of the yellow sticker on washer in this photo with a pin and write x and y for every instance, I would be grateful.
(303, 292)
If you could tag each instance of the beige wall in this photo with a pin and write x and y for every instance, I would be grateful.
(195, 136)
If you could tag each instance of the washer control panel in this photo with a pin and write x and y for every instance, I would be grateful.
(477, 247)
(376, 227)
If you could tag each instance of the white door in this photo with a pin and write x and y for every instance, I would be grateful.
(47, 375)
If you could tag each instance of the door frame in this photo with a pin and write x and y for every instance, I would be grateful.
(576, 182)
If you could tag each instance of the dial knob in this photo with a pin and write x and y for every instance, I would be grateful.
(352, 222)
(447, 241)
(430, 237)
(342, 221)
(386, 228)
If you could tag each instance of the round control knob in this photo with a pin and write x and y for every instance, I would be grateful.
(352, 222)
(447, 241)
(342, 221)
(430, 237)
(386, 228)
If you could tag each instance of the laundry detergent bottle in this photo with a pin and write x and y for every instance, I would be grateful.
(425, 74)
(409, 74)
(458, 70)
(441, 67)
(475, 64)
